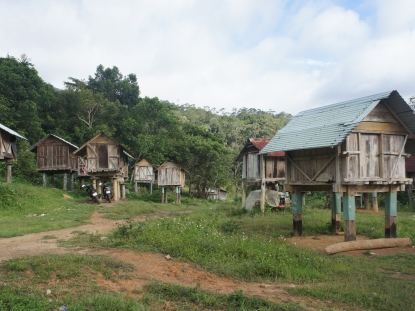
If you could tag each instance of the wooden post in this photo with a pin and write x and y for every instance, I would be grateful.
(297, 211)
(114, 187)
(52, 180)
(262, 160)
(391, 211)
(65, 182)
(9, 171)
(94, 183)
(243, 194)
(123, 191)
(72, 182)
(366, 201)
(44, 180)
(349, 211)
(410, 199)
(375, 202)
(336, 212)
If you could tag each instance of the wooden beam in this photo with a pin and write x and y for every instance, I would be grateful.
(367, 244)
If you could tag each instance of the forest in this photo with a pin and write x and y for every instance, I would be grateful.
(204, 141)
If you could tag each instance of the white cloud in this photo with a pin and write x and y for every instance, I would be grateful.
(279, 55)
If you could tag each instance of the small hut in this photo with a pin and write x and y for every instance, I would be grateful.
(56, 156)
(270, 174)
(349, 147)
(143, 174)
(216, 194)
(104, 160)
(8, 149)
(170, 175)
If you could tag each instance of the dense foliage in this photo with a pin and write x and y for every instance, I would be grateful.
(204, 141)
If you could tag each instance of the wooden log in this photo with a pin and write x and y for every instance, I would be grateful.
(367, 244)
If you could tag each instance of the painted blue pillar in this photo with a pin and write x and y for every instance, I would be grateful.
(336, 210)
(349, 213)
(391, 211)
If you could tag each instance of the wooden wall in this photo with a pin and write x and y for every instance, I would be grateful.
(7, 144)
(170, 175)
(311, 165)
(54, 154)
(251, 168)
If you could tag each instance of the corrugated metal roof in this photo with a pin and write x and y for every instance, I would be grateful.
(34, 146)
(5, 128)
(329, 126)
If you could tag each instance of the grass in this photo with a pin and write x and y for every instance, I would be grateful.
(215, 236)
(29, 209)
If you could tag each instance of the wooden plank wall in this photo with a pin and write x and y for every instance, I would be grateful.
(310, 162)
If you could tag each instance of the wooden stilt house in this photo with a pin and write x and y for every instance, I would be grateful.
(349, 147)
(8, 148)
(170, 175)
(55, 155)
(143, 174)
(270, 173)
(410, 170)
(104, 160)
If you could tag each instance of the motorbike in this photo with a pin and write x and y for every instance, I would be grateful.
(281, 205)
(107, 195)
(92, 192)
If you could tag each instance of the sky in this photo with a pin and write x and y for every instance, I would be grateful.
(272, 55)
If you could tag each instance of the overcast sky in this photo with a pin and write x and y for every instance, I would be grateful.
(279, 55)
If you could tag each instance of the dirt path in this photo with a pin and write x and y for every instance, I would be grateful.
(151, 266)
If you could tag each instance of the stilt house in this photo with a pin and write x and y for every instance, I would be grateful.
(170, 175)
(271, 172)
(55, 156)
(349, 147)
(8, 148)
(105, 160)
(143, 173)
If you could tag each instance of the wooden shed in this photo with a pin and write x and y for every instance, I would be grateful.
(8, 148)
(143, 173)
(104, 159)
(349, 147)
(170, 175)
(253, 168)
(56, 156)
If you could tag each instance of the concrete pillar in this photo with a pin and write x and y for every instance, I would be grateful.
(391, 211)
(82, 182)
(349, 212)
(297, 211)
(336, 209)
(162, 195)
(65, 182)
(136, 187)
(9, 172)
(94, 183)
(263, 185)
(178, 199)
(99, 188)
(44, 180)
(115, 189)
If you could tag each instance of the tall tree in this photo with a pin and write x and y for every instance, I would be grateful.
(115, 86)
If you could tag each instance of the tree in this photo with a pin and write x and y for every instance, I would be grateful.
(114, 86)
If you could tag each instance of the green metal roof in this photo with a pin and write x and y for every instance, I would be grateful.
(329, 126)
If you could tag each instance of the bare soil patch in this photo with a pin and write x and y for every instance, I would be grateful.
(152, 267)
